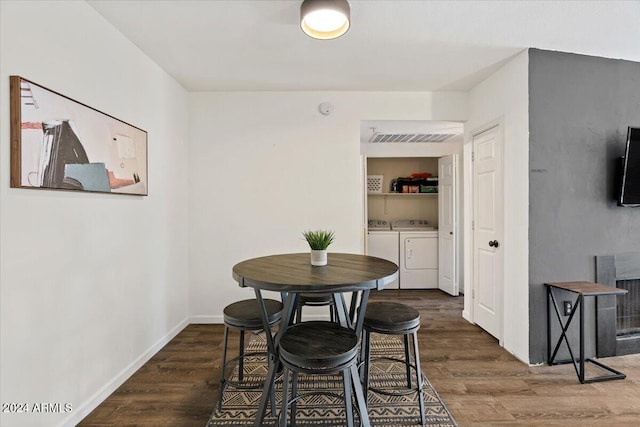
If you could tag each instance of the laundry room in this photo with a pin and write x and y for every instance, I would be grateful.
(411, 200)
(408, 189)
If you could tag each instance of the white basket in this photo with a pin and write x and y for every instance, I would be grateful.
(374, 183)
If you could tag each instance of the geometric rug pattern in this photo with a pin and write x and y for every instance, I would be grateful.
(239, 407)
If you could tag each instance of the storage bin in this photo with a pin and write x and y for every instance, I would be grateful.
(374, 183)
(428, 189)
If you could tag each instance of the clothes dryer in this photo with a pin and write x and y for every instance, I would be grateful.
(418, 243)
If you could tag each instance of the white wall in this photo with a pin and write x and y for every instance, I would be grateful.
(267, 166)
(504, 97)
(91, 285)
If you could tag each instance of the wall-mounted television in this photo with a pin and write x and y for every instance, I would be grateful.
(630, 182)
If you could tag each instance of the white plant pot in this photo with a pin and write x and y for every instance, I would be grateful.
(318, 257)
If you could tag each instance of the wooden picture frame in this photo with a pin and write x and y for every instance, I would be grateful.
(58, 143)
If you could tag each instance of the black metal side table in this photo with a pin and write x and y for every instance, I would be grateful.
(582, 289)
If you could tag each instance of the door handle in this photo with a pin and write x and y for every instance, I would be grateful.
(451, 232)
(494, 243)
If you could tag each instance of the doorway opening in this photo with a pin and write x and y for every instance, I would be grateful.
(412, 200)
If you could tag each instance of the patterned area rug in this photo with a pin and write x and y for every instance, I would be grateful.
(239, 407)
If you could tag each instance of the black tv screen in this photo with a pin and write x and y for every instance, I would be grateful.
(630, 190)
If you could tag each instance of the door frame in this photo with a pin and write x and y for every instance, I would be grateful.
(468, 217)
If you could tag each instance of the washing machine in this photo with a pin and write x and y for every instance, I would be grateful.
(418, 243)
(382, 242)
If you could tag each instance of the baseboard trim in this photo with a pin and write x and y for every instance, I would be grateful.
(206, 320)
(467, 316)
(100, 396)
(219, 320)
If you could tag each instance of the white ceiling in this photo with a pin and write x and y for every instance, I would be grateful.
(392, 45)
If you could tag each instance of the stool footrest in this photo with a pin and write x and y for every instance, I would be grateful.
(321, 393)
(406, 391)
(388, 392)
(318, 393)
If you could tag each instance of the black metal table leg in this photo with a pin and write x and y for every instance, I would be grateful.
(267, 390)
(341, 310)
(581, 302)
(563, 335)
(361, 312)
(360, 400)
(548, 325)
(353, 308)
(345, 320)
(274, 359)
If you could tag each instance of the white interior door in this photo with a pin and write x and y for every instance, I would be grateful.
(487, 230)
(447, 280)
(365, 204)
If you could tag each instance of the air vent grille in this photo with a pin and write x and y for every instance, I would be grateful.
(410, 137)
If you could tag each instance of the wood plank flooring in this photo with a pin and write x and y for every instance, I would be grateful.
(481, 383)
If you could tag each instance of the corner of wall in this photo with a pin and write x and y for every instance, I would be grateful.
(504, 97)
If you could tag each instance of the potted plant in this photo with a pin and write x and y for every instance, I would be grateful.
(318, 241)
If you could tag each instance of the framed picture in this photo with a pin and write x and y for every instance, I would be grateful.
(61, 144)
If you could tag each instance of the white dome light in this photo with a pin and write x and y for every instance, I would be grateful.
(324, 19)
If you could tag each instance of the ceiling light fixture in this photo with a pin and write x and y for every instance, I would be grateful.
(325, 19)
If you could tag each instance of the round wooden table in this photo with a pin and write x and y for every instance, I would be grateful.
(291, 274)
(294, 273)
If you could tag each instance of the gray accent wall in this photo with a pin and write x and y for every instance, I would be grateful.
(579, 110)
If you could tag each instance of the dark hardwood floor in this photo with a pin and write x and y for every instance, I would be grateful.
(481, 383)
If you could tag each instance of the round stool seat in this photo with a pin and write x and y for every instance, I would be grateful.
(247, 313)
(391, 317)
(317, 346)
(313, 298)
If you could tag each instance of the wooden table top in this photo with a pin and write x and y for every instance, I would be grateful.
(588, 288)
(294, 273)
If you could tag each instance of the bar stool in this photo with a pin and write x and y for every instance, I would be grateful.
(317, 347)
(312, 299)
(244, 316)
(393, 318)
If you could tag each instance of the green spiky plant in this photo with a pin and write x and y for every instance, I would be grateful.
(318, 239)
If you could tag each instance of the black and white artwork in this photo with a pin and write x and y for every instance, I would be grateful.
(59, 143)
